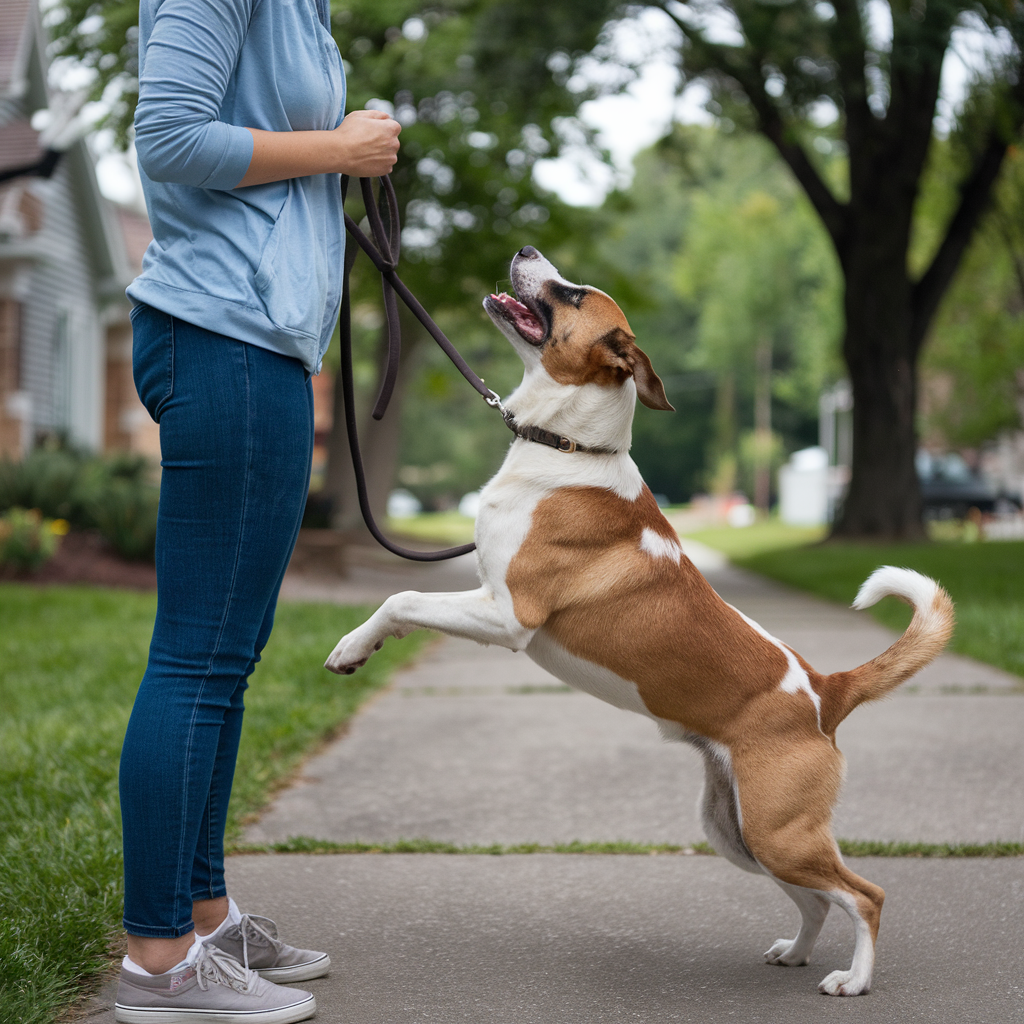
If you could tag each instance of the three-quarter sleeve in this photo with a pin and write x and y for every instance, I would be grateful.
(190, 56)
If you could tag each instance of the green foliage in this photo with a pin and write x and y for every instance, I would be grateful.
(70, 663)
(27, 540)
(113, 494)
(974, 366)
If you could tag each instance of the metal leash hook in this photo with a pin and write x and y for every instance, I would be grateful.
(383, 252)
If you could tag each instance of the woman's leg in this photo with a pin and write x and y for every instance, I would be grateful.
(236, 443)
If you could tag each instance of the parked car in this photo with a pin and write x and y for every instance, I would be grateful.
(951, 489)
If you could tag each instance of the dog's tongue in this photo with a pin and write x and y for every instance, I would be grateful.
(525, 322)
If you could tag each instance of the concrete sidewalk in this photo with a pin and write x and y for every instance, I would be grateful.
(477, 745)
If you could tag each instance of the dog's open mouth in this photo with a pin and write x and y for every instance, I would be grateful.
(521, 317)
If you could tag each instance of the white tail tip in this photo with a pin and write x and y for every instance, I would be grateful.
(914, 588)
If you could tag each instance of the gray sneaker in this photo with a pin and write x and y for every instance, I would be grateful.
(212, 988)
(253, 942)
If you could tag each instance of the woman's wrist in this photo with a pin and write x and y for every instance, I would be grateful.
(365, 144)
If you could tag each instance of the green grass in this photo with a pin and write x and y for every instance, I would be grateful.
(436, 527)
(70, 663)
(768, 535)
(849, 847)
(986, 580)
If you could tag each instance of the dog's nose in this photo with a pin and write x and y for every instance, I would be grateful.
(528, 252)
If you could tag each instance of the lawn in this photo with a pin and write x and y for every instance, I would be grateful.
(70, 662)
(985, 580)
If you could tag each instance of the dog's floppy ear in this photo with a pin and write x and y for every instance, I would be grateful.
(649, 387)
(619, 350)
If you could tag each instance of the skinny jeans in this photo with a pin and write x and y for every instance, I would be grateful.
(236, 438)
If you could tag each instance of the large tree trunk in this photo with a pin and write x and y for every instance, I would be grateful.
(884, 499)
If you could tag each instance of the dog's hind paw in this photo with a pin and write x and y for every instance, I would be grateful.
(843, 983)
(784, 953)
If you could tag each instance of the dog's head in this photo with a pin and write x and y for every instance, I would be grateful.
(577, 334)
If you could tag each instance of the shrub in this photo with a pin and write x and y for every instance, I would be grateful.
(125, 513)
(27, 540)
(113, 494)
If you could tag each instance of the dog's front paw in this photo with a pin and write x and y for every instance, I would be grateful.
(843, 983)
(352, 652)
(784, 954)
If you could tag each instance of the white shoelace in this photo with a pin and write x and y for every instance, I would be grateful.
(257, 934)
(214, 966)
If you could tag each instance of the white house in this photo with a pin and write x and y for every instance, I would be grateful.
(66, 256)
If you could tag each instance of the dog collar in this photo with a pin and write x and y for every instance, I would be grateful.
(550, 438)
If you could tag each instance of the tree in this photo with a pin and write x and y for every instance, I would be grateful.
(757, 266)
(974, 367)
(779, 65)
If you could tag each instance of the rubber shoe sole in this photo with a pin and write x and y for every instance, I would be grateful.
(297, 972)
(163, 1015)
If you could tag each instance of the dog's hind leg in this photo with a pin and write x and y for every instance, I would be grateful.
(718, 808)
(786, 794)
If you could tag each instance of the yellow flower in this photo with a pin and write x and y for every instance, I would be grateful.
(60, 527)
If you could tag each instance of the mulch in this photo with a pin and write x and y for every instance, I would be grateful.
(86, 558)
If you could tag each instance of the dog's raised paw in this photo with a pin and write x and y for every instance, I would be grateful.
(781, 954)
(843, 983)
(349, 655)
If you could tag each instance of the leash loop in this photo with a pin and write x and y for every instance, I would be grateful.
(383, 252)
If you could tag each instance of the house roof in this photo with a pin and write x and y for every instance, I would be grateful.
(13, 16)
(19, 145)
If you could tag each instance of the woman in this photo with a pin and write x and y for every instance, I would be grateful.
(240, 140)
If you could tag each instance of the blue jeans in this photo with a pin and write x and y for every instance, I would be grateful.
(236, 436)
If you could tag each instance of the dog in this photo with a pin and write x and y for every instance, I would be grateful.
(581, 570)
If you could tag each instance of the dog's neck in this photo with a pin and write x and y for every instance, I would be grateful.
(589, 414)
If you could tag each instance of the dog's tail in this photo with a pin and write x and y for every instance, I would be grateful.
(929, 631)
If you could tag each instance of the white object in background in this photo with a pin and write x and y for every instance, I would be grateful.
(469, 506)
(403, 505)
(803, 488)
(741, 515)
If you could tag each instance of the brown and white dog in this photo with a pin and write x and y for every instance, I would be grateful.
(580, 569)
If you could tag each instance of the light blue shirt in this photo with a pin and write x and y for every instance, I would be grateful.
(262, 264)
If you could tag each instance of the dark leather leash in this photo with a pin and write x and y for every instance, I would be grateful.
(384, 256)
(384, 252)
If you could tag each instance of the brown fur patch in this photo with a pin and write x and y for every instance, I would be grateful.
(591, 343)
(582, 574)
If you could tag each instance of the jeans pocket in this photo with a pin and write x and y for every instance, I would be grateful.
(153, 358)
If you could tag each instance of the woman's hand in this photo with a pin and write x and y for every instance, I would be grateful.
(367, 143)
(364, 145)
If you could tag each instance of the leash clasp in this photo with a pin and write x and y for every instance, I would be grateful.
(493, 399)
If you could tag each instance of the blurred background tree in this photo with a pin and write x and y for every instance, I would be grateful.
(784, 69)
(824, 211)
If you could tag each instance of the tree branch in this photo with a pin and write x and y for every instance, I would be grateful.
(743, 67)
(974, 196)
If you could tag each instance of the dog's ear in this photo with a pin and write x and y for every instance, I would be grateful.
(619, 351)
(649, 387)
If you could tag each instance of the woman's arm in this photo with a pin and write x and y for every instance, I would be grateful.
(364, 145)
(192, 48)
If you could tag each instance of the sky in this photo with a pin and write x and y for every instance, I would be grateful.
(635, 118)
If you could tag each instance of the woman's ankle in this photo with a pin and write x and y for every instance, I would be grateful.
(157, 956)
(209, 915)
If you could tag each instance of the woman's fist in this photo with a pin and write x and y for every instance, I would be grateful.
(367, 143)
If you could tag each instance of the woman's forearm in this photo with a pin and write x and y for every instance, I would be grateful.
(364, 145)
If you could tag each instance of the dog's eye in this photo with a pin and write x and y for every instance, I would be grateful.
(568, 294)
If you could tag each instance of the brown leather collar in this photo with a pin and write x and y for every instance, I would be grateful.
(550, 438)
